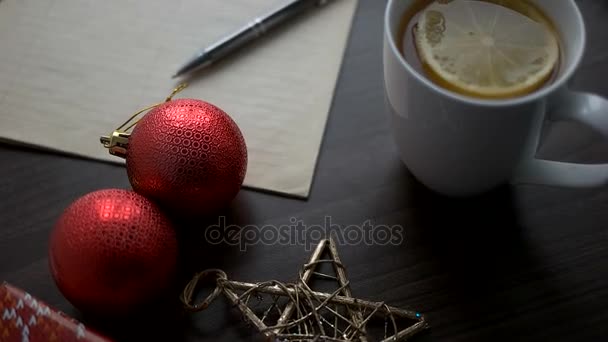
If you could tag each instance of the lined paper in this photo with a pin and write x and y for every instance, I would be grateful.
(71, 71)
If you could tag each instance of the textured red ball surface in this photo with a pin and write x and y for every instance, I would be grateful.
(188, 155)
(112, 251)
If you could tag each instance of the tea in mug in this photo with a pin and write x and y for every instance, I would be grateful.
(481, 48)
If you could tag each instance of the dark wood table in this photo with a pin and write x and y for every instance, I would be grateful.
(526, 263)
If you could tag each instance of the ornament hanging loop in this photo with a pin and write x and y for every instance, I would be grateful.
(118, 142)
(175, 91)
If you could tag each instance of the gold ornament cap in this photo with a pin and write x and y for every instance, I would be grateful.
(118, 142)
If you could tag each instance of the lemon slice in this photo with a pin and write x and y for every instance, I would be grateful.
(485, 49)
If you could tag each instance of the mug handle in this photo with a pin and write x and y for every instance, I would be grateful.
(588, 109)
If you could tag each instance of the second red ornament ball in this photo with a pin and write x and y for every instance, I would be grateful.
(188, 155)
(112, 251)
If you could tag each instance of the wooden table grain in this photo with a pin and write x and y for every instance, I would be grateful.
(526, 263)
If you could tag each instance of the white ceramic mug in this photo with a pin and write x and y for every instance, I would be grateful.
(460, 146)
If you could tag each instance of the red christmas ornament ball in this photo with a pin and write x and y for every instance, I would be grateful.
(112, 251)
(188, 155)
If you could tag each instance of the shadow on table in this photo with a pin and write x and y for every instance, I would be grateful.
(488, 270)
(475, 237)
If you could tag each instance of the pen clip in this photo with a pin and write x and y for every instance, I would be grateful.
(117, 143)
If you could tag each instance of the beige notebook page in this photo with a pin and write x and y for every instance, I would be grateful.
(71, 71)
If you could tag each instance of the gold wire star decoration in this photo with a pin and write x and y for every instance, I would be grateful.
(295, 312)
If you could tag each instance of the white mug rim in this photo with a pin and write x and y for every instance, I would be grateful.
(543, 92)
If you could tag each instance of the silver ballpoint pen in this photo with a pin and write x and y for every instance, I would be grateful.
(255, 29)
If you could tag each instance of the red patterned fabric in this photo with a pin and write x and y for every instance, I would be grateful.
(24, 318)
